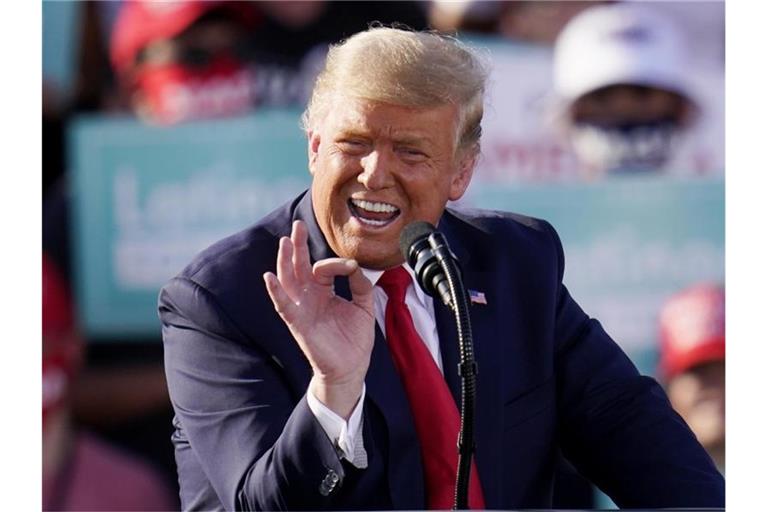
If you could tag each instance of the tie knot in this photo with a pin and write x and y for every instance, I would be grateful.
(395, 282)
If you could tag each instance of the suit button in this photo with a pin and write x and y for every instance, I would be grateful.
(329, 482)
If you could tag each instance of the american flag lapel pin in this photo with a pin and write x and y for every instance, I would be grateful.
(476, 297)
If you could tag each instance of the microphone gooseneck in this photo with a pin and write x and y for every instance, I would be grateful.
(427, 252)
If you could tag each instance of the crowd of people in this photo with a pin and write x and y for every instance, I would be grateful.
(106, 405)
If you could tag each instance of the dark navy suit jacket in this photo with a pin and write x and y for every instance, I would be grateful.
(550, 381)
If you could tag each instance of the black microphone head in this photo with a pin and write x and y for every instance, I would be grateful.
(412, 233)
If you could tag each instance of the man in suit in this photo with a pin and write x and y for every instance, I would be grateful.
(318, 390)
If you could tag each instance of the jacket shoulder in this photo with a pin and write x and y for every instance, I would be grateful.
(246, 253)
(497, 221)
(223, 286)
(493, 236)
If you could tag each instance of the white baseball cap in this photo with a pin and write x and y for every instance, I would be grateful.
(621, 43)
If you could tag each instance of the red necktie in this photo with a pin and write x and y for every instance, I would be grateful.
(434, 411)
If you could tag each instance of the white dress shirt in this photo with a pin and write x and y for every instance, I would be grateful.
(347, 436)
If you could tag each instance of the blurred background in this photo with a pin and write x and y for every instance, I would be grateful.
(169, 125)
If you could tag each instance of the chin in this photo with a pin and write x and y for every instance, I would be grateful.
(371, 253)
(378, 263)
(375, 260)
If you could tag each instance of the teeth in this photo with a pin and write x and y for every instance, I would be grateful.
(372, 222)
(374, 207)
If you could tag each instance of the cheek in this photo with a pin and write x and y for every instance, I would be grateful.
(422, 177)
(329, 171)
(683, 392)
(434, 188)
(342, 168)
(334, 185)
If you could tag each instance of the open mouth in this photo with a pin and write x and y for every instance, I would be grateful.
(372, 213)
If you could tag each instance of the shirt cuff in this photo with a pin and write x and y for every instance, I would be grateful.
(347, 436)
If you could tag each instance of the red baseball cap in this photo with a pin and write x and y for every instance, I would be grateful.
(692, 325)
(140, 23)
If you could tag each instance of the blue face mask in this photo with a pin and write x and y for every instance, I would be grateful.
(625, 148)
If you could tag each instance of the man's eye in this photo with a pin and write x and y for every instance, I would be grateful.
(352, 145)
(412, 153)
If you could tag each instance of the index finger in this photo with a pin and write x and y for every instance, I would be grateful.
(326, 270)
(301, 263)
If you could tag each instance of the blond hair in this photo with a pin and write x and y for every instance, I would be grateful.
(408, 68)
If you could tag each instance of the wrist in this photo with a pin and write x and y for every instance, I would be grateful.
(339, 396)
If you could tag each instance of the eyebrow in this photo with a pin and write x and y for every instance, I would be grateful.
(352, 132)
(404, 139)
(411, 140)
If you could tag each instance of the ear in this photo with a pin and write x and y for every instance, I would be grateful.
(313, 146)
(463, 175)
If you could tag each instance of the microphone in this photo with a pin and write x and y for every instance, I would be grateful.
(437, 271)
(423, 248)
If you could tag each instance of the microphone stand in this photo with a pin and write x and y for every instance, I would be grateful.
(467, 367)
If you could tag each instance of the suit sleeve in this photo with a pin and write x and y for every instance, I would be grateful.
(258, 447)
(617, 426)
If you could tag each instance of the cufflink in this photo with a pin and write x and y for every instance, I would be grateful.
(329, 482)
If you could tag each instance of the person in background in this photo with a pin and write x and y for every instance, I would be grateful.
(536, 22)
(292, 40)
(184, 60)
(80, 471)
(120, 391)
(187, 60)
(692, 329)
(623, 97)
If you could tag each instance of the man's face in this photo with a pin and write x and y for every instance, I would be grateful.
(376, 168)
(629, 104)
(699, 396)
(626, 128)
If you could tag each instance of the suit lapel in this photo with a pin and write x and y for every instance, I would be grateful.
(487, 344)
(449, 348)
(446, 319)
(318, 247)
(385, 389)
(487, 336)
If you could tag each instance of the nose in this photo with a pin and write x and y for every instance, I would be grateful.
(376, 170)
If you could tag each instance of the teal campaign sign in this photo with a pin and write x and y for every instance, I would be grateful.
(147, 199)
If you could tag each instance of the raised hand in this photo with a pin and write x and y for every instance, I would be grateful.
(336, 335)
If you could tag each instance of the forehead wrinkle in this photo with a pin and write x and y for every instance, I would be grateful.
(367, 120)
(355, 126)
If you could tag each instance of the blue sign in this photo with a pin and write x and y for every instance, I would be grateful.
(147, 199)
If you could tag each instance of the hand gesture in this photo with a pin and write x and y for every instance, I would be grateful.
(336, 335)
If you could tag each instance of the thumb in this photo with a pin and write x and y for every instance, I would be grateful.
(359, 285)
